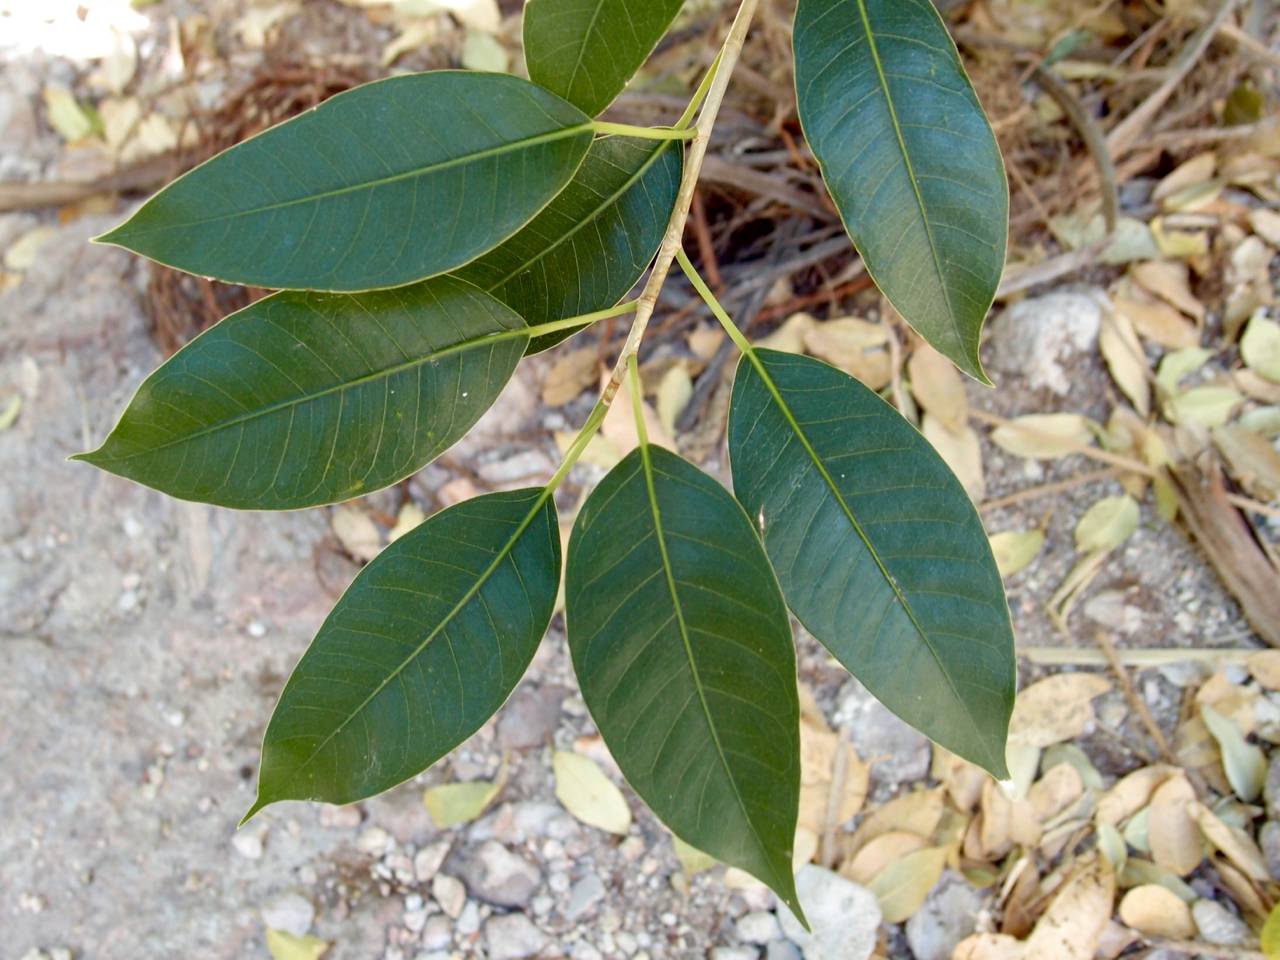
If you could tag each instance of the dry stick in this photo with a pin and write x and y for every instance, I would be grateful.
(1140, 659)
(1093, 453)
(1136, 703)
(1128, 130)
(674, 237)
(1044, 489)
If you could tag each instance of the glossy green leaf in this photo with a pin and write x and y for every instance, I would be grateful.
(683, 651)
(310, 398)
(910, 161)
(880, 553)
(423, 647)
(377, 187)
(587, 50)
(591, 244)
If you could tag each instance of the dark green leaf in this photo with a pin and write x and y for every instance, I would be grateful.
(309, 398)
(880, 553)
(424, 646)
(383, 185)
(592, 242)
(910, 161)
(682, 647)
(587, 50)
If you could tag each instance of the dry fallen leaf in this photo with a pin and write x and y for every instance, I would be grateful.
(357, 533)
(938, 387)
(1055, 709)
(1236, 845)
(1053, 793)
(1107, 524)
(1044, 436)
(1154, 911)
(1072, 926)
(572, 373)
(1251, 460)
(410, 517)
(988, 946)
(283, 945)
(692, 860)
(1208, 406)
(1125, 359)
(674, 392)
(1265, 667)
(790, 336)
(1170, 281)
(590, 796)
(1186, 174)
(1172, 834)
(917, 811)
(1158, 322)
(879, 853)
(902, 886)
(855, 346)
(1243, 762)
(1260, 347)
(451, 804)
(962, 452)
(1015, 549)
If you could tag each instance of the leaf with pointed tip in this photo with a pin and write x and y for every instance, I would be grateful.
(880, 553)
(424, 646)
(682, 647)
(383, 185)
(591, 244)
(909, 159)
(587, 50)
(310, 398)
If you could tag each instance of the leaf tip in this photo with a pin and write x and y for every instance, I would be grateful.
(253, 811)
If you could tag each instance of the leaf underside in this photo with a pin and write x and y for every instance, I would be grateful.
(880, 553)
(909, 159)
(682, 647)
(591, 244)
(310, 398)
(383, 185)
(587, 50)
(425, 645)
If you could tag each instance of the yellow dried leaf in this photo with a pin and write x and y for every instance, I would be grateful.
(1266, 224)
(1112, 846)
(1072, 926)
(589, 795)
(1107, 524)
(704, 342)
(675, 390)
(1251, 460)
(989, 946)
(1055, 709)
(570, 375)
(66, 115)
(902, 886)
(1015, 549)
(409, 518)
(1172, 834)
(918, 812)
(1186, 174)
(1158, 322)
(22, 253)
(1260, 347)
(1270, 934)
(692, 860)
(453, 803)
(1125, 359)
(357, 533)
(938, 387)
(1170, 281)
(962, 452)
(1207, 406)
(855, 346)
(1044, 436)
(1053, 793)
(1265, 667)
(1178, 365)
(283, 945)
(790, 336)
(1243, 763)
(962, 779)
(879, 853)
(1232, 842)
(1179, 244)
(481, 50)
(1138, 871)
(1154, 911)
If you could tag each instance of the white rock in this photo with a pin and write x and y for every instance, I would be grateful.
(438, 932)
(374, 840)
(248, 843)
(512, 936)
(735, 953)
(291, 912)
(1034, 338)
(844, 916)
(449, 893)
(469, 921)
(759, 926)
(427, 861)
(782, 950)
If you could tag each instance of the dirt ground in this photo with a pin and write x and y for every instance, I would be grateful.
(143, 641)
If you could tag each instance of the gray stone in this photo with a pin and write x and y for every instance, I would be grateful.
(876, 732)
(438, 933)
(496, 875)
(512, 936)
(292, 913)
(529, 718)
(1219, 925)
(584, 897)
(735, 953)
(759, 926)
(469, 920)
(1269, 840)
(949, 914)
(1271, 789)
(522, 822)
(1037, 338)
(844, 917)
(428, 860)
(782, 950)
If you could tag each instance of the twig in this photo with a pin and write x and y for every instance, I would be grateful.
(1089, 131)
(1141, 659)
(671, 242)
(1253, 506)
(1045, 489)
(1138, 705)
(1126, 133)
(1015, 281)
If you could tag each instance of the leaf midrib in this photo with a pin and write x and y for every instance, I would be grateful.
(911, 173)
(661, 538)
(591, 218)
(539, 502)
(550, 137)
(862, 535)
(582, 47)
(382, 374)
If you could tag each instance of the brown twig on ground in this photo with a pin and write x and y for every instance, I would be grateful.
(1136, 703)
(1045, 489)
